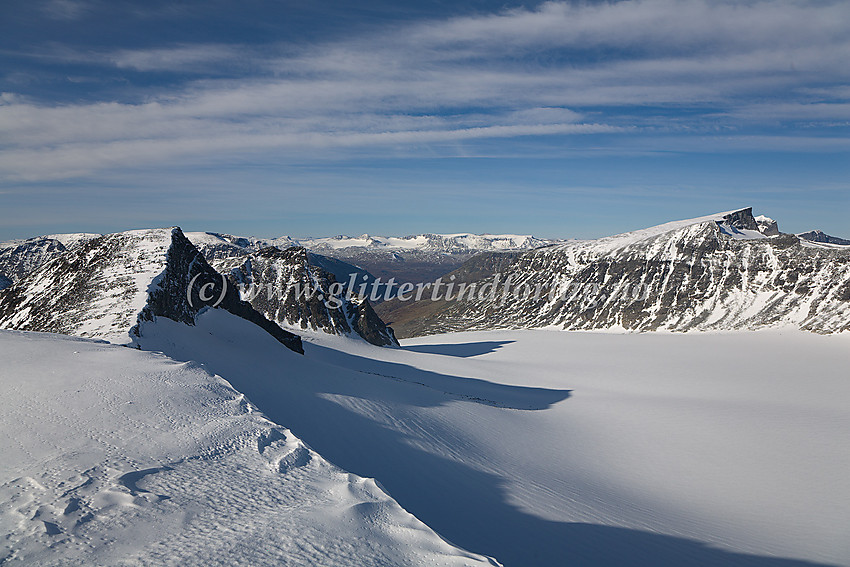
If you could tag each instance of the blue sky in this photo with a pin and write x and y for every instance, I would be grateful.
(557, 119)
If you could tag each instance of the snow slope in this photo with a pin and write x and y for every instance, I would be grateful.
(111, 456)
(557, 448)
(610, 244)
(95, 289)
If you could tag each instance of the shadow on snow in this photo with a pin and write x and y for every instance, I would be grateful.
(463, 350)
(342, 414)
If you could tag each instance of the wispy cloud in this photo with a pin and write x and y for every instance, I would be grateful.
(182, 58)
(65, 9)
(669, 66)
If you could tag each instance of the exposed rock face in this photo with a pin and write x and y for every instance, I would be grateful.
(767, 226)
(742, 219)
(19, 258)
(101, 285)
(285, 287)
(189, 284)
(368, 325)
(818, 236)
(717, 272)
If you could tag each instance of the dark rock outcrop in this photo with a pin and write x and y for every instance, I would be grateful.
(742, 219)
(285, 287)
(767, 226)
(189, 284)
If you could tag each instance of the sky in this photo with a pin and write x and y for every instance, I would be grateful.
(397, 117)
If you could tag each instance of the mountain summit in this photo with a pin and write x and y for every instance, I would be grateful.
(723, 271)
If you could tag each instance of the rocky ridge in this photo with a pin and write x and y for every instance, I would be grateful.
(720, 272)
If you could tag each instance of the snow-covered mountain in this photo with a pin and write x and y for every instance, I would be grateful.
(103, 286)
(415, 258)
(293, 287)
(215, 243)
(535, 447)
(19, 257)
(97, 286)
(819, 236)
(715, 272)
(412, 258)
(460, 243)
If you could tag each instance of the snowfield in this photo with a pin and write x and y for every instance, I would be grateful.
(112, 456)
(557, 448)
(547, 447)
(532, 447)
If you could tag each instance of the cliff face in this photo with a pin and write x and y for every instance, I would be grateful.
(284, 286)
(189, 284)
(717, 272)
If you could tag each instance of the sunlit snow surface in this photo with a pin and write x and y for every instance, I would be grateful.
(112, 456)
(556, 448)
(533, 447)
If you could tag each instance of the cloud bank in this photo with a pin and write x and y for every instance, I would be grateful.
(636, 75)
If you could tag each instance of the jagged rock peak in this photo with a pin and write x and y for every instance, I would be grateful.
(189, 284)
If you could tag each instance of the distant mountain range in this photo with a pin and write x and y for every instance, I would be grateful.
(818, 236)
(416, 258)
(725, 271)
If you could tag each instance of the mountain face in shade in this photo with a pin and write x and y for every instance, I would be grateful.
(710, 273)
(21, 257)
(101, 286)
